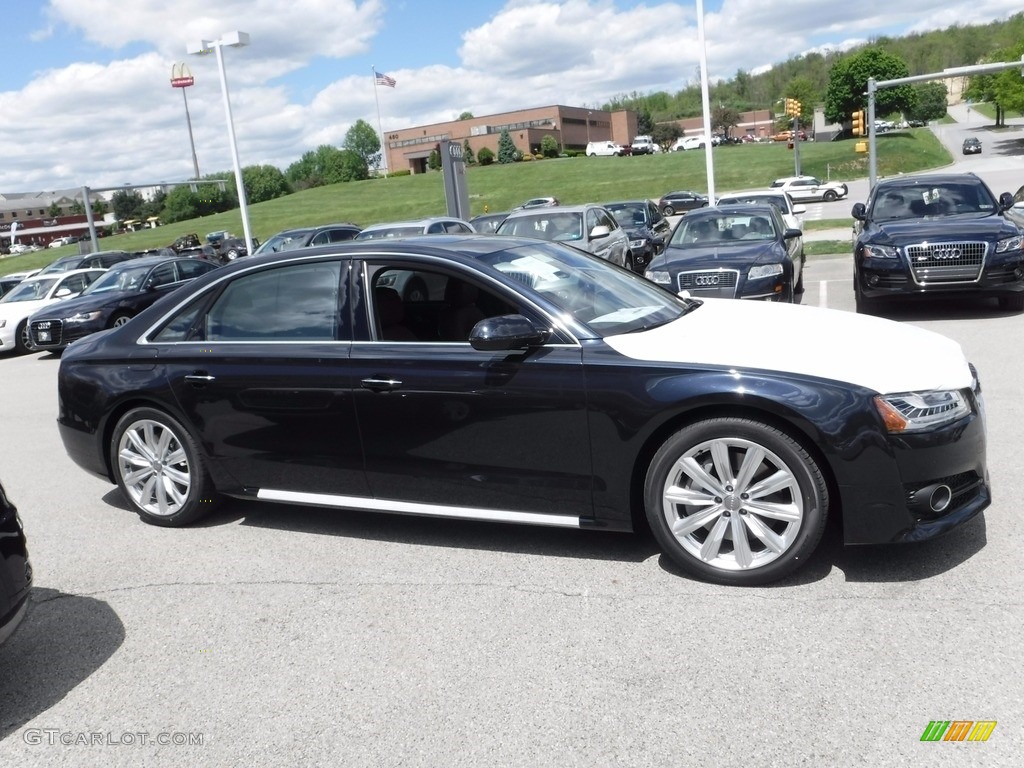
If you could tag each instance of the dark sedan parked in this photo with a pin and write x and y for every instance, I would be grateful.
(548, 387)
(15, 569)
(732, 252)
(98, 260)
(680, 202)
(648, 231)
(307, 237)
(114, 299)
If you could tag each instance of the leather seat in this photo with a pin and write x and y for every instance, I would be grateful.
(391, 315)
(460, 312)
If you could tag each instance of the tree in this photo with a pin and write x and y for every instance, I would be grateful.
(264, 182)
(848, 83)
(549, 147)
(507, 152)
(99, 207)
(665, 135)
(485, 156)
(724, 119)
(802, 89)
(363, 140)
(930, 102)
(76, 208)
(466, 116)
(434, 160)
(155, 205)
(467, 153)
(644, 122)
(1003, 89)
(54, 210)
(127, 204)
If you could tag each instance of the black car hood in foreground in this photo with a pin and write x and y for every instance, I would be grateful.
(965, 226)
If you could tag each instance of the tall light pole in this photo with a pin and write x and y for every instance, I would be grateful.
(181, 77)
(203, 47)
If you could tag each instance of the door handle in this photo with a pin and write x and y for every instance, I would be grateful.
(199, 378)
(381, 385)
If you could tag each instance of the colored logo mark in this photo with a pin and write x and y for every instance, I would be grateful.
(958, 730)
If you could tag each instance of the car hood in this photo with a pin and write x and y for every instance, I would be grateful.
(871, 352)
(987, 227)
(68, 307)
(714, 256)
(15, 310)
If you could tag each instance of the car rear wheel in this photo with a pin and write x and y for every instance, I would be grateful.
(735, 501)
(668, 210)
(830, 196)
(159, 469)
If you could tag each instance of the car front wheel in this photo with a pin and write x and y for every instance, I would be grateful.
(735, 501)
(668, 210)
(830, 196)
(159, 469)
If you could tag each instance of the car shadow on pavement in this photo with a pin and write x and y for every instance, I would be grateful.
(62, 641)
(1008, 145)
(941, 309)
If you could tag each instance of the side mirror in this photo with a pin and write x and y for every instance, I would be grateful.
(799, 208)
(63, 293)
(1005, 201)
(790, 233)
(507, 332)
(601, 230)
(859, 212)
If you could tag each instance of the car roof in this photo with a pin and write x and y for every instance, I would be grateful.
(412, 223)
(62, 275)
(554, 210)
(928, 178)
(638, 201)
(148, 261)
(754, 208)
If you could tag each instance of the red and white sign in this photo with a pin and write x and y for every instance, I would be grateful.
(181, 76)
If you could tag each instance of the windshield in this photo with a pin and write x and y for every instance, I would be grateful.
(628, 215)
(773, 200)
(920, 201)
(386, 232)
(283, 241)
(119, 280)
(550, 225)
(61, 265)
(30, 291)
(611, 301)
(724, 229)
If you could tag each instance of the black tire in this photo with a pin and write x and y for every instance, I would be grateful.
(1012, 303)
(160, 470)
(668, 210)
(628, 262)
(118, 319)
(790, 512)
(799, 287)
(22, 340)
(830, 196)
(863, 305)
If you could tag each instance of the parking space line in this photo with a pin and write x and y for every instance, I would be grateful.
(823, 294)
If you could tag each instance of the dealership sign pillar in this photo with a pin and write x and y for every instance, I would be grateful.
(456, 191)
(181, 77)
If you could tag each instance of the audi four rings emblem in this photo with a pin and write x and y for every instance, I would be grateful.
(706, 280)
(946, 253)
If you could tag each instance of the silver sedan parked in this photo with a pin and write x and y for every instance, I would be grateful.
(589, 227)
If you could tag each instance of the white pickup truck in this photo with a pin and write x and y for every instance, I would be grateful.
(644, 145)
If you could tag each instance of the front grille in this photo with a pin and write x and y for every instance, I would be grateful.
(960, 262)
(715, 283)
(47, 333)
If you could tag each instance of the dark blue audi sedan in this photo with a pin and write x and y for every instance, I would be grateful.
(541, 385)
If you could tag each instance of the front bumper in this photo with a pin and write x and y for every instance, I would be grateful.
(883, 506)
(1000, 274)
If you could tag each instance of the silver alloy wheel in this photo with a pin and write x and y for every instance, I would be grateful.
(733, 504)
(154, 468)
(120, 320)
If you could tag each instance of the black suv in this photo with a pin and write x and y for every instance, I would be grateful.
(940, 234)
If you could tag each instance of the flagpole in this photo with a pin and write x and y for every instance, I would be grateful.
(380, 128)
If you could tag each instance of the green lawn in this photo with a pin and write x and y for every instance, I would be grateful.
(572, 180)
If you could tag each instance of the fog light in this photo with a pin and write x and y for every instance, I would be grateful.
(1019, 273)
(873, 280)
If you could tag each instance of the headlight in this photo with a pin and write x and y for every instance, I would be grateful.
(880, 251)
(764, 270)
(85, 317)
(636, 243)
(1009, 244)
(919, 411)
(662, 278)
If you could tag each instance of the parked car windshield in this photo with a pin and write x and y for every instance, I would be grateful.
(774, 200)
(611, 301)
(119, 280)
(550, 225)
(724, 230)
(30, 291)
(628, 214)
(283, 241)
(386, 232)
(917, 202)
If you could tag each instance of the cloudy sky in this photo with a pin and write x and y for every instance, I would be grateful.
(85, 94)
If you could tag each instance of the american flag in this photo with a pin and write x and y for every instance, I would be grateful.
(382, 79)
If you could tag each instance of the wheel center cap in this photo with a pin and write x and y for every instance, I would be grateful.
(732, 502)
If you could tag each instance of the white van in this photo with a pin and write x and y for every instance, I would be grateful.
(644, 145)
(604, 148)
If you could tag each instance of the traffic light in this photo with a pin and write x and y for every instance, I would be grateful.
(858, 122)
(793, 108)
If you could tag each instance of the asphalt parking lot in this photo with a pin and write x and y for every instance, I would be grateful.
(277, 635)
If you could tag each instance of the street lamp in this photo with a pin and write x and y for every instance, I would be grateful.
(203, 47)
